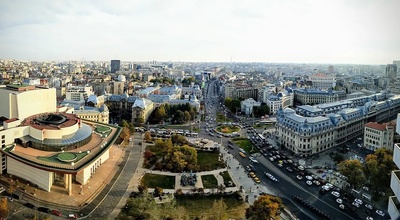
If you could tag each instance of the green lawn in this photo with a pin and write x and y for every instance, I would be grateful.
(54, 158)
(208, 161)
(209, 181)
(198, 206)
(227, 178)
(245, 144)
(154, 180)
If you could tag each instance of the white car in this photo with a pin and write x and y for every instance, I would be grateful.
(358, 201)
(280, 165)
(380, 212)
(299, 177)
(300, 168)
(309, 178)
(271, 159)
(309, 182)
(329, 185)
(316, 182)
(368, 206)
(326, 188)
(341, 206)
(356, 204)
(254, 160)
(335, 194)
(340, 201)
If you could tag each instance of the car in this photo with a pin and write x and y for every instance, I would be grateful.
(252, 175)
(340, 201)
(358, 201)
(309, 182)
(29, 205)
(289, 169)
(56, 212)
(356, 204)
(242, 150)
(299, 177)
(300, 168)
(248, 168)
(231, 146)
(316, 182)
(256, 180)
(341, 206)
(329, 185)
(271, 159)
(280, 165)
(380, 212)
(369, 218)
(290, 161)
(242, 154)
(44, 209)
(254, 160)
(309, 178)
(326, 188)
(72, 216)
(368, 206)
(11, 199)
(335, 194)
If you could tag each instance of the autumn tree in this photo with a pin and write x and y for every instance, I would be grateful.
(265, 207)
(147, 136)
(125, 134)
(158, 191)
(178, 140)
(378, 167)
(353, 170)
(3, 207)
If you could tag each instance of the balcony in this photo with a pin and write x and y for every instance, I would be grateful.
(396, 154)
(395, 183)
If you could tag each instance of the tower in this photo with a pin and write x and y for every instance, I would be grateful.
(391, 71)
(115, 65)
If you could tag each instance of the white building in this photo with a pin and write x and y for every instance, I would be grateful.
(394, 203)
(379, 135)
(278, 101)
(247, 105)
(78, 93)
(322, 81)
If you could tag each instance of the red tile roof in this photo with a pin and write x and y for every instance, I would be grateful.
(377, 126)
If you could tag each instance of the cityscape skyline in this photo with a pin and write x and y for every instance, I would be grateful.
(331, 32)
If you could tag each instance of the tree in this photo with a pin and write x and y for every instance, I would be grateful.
(161, 113)
(158, 191)
(179, 117)
(125, 134)
(139, 120)
(353, 170)
(261, 110)
(178, 140)
(187, 116)
(378, 167)
(147, 136)
(124, 124)
(3, 207)
(142, 189)
(265, 207)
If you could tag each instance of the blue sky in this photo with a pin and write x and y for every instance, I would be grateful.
(302, 31)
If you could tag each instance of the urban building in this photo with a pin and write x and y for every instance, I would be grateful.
(115, 65)
(246, 106)
(77, 95)
(236, 91)
(141, 110)
(379, 135)
(46, 146)
(323, 81)
(278, 101)
(120, 106)
(391, 71)
(394, 203)
(315, 96)
(312, 129)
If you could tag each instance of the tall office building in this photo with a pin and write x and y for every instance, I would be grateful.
(115, 65)
(391, 71)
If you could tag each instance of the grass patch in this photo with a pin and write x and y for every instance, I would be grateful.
(245, 144)
(154, 180)
(264, 126)
(227, 179)
(208, 161)
(198, 206)
(228, 128)
(54, 158)
(209, 181)
(222, 118)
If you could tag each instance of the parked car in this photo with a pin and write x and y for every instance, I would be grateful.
(356, 204)
(72, 216)
(368, 206)
(335, 194)
(358, 201)
(380, 212)
(44, 209)
(56, 212)
(340, 201)
(289, 169)
(309, 182)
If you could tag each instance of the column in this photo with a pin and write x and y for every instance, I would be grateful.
(69, 184)
(66, 181)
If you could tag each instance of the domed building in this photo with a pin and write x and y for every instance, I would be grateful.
(45, 146)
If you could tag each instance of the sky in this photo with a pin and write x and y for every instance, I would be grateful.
(298, 31)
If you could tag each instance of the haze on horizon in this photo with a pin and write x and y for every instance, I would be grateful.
(299, 31)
